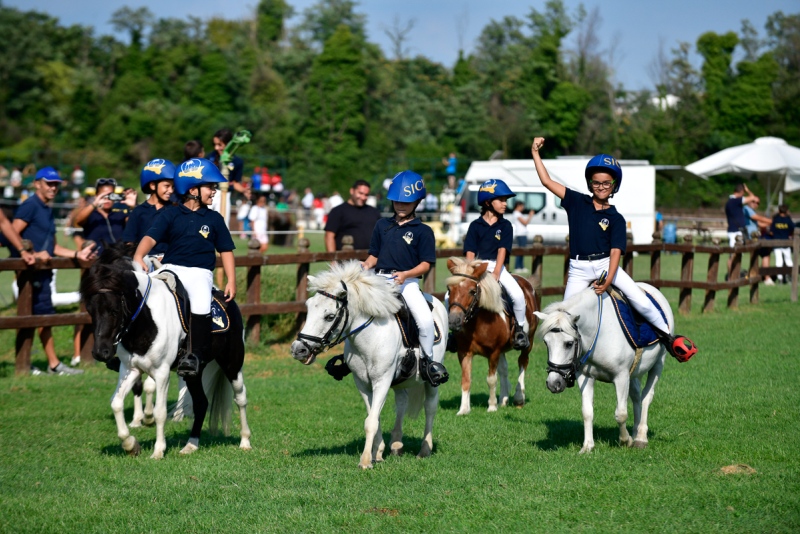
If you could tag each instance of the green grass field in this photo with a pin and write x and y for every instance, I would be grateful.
(515, 470)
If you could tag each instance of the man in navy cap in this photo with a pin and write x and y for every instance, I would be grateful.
(35, 222)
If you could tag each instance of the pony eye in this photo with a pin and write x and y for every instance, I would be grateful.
(473, 292)
(569, 344)
(330, 317)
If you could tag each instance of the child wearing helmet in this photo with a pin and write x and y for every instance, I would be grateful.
(598, 239)
(193, 233)
(156, 181)
(402, 249)
(490, 238)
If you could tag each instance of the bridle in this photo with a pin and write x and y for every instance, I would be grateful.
(570, 369)
(469, 311)
(123, 331)
(333, 336)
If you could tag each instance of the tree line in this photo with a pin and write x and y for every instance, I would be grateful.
(331, 106)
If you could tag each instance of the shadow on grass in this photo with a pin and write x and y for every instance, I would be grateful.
(563, 433)
(174, 444)
(476, 400)
(411, 446)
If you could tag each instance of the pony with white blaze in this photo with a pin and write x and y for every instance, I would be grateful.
(585, 343)
(358, 307)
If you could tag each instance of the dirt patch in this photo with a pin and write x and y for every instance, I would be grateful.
(736, 469)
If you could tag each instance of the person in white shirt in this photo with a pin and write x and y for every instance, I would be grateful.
(519, 222)
(258, 217)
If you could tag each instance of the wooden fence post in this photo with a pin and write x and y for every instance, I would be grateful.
(254, 291)
(733, 276)
(655, 259)
(86, 333)
(25, 336)
(687, 267)
(713, 274)
(753, 274)
(538, 261)
(301, 293)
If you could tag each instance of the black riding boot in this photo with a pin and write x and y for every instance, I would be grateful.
(520, 338)
(189, 364)
(432, 372)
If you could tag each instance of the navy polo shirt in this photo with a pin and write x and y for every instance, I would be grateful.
(592, 231)
(235, 167)
(41, 228)
(106, 230)
(782, 227)
(192, 237)
(734, 211)
(486, 239)
(139, 222)
(402, 247)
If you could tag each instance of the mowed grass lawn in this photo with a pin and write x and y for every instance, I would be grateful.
(517, 470)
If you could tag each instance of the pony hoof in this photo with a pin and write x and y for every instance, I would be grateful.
(149, 421)
(492, 408)
(463, 412)
(189, 448)
(504, 402)
(586, 450)
(365, 467)
(135, 450)
(640, 444)
(135, 424)
(626, 442)
(397, 451)
(424, 452)
(245, 445)
(157, 455)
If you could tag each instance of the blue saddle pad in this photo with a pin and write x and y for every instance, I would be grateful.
(408, 327)
(637, 330)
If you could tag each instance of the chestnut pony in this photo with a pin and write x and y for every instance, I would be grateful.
(480, 325)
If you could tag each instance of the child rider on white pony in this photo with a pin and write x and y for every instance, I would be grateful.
(598, 240)
(193, 233)
(402, 249)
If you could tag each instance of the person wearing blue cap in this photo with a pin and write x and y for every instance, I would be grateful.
(35, 222)
(597, 241)
(403, 249)
(193, 234)
(156, 180)
(490, 238)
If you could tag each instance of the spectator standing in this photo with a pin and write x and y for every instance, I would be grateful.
(256, 179)
(782, 228)
(259, 215)
(757, 226)
(335, 199)
(519, 223)
(354, 218)
(451, 165)
(103, 219)
(734, 212)
(15, 180)
(35, 222)
(308, 203)
(77, 176)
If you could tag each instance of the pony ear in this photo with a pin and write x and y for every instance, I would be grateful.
(480, 269)
(540, 315)
(311, 279)
(575, 319)
(451, 265)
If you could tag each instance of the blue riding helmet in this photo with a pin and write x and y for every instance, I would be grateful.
(195, 172)
(155, 171)
(492, 189)
(406, 186)
(48, 174)
(607, 164)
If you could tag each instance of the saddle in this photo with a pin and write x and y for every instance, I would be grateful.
(220, 322)
(637, 330)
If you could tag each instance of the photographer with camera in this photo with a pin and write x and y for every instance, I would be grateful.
(104, 217)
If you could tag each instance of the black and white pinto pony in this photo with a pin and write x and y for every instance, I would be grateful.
(570, 330)
(358, 307)
(135, 317)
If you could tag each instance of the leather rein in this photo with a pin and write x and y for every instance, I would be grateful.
(333, 337)
(142, 302)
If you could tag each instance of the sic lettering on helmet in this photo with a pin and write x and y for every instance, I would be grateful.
(410, 189)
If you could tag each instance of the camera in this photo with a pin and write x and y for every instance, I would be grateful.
(116, 197)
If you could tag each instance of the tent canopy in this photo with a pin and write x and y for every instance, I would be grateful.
(771, 158)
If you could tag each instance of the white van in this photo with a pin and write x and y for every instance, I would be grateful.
(635, 200)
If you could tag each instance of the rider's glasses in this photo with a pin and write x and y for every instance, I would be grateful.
(602, 185)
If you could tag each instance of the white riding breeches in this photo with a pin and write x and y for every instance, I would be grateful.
(419, 309)
(514, 293)
(198, 283)
(783, 256)
(583, 272)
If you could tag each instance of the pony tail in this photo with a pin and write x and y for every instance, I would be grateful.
(220, 399)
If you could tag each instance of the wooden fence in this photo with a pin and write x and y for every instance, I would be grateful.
(252, 308)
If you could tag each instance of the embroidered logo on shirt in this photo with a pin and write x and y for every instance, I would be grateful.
(497, 235)
(204, 231)
(604, 224)
(408, 237)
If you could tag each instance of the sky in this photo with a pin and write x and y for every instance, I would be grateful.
(634, 29)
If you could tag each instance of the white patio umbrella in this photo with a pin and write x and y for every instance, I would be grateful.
(772, 159)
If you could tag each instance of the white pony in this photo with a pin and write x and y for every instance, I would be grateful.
(570, 330)
(358, 307)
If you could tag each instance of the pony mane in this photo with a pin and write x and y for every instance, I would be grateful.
(491, 292)
(367, 292)
(559, 315)
(119, 254)
(103, 277)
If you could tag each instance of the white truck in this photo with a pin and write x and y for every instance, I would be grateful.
(635, 200)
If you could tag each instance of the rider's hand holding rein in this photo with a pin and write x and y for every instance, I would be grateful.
(145, 245)
(613, 265)
(229, 266)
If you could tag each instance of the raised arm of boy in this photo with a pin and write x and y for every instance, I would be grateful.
(556, 188)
